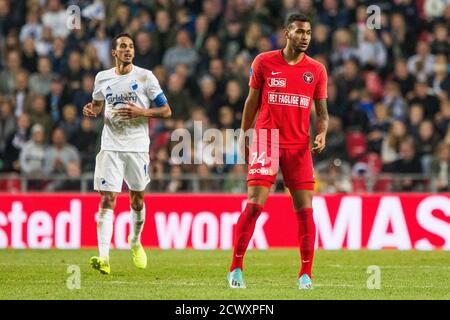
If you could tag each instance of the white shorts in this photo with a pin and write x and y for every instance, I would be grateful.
(112, 167)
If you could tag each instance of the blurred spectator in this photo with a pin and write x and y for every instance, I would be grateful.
(7, 75)
(206, 182)
(349, 82)
(400, 41)
(234, 97)
(235, 182)
(22, 95)
(38, 114)
(372, 52)
(335, 178)
(440, 82)
(85, 140)
(56, 99)
(332, 16)
(213, 11)
(55, 18)
(232, 39)
(226, 118)
(58, 55)
(163, 37)
(74, 72)
(103, 47)
(343, 48)
(77, 39)
(189, 81)
(440, 167)
(32, 154)
(60, 156)
(209, 98)
(403, 78)
(90, 62)
(201, 31)
(69, 123)
(421, 64)
(378, 128)
(159, 168)
(335, 142)
(44, 43)
(7, 123)
(336, 107)
(415, 117)
(408, 164)
(84, 95)
(182, 52)
(40, 81)
(15, 143)
(440, 44)
(426, 143)
(252, 37)
(391, 142)
(32, 29)
(179, 97)
(145, 55)
(320, 42)
(442, 119)
(217, 71)
(211, 51)
(422, 96)
(176, 183)
(29, 55)
(394, 100)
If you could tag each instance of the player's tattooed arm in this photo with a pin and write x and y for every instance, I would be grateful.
(131, 111)
(321, 125)
(93, 109)
(160, 112)
(251, 107)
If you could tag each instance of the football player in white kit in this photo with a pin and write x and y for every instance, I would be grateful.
(126, 92)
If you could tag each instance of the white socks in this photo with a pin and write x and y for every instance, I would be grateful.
(137, 224)
(104, 231)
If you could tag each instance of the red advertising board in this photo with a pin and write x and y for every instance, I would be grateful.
(206, 221)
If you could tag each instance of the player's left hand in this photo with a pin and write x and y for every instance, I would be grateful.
(130, 111)
(319, 143)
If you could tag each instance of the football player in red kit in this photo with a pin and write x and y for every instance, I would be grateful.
(283, 85)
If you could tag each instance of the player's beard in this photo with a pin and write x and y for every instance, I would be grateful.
(125, 62)
(298, 48)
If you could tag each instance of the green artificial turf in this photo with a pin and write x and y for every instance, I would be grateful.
(189, 274)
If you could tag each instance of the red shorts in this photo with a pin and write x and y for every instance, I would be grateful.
(296, 167)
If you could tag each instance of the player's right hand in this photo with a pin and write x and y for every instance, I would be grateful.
(88, 110)
(243, 148)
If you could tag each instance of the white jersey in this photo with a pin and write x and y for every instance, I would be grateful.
(139, 86)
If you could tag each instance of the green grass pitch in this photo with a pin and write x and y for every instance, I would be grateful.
(189, 274)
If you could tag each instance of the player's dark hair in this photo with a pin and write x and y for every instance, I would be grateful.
(120, 35)
(297, 17)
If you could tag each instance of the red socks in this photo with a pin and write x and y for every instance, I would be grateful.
(244, 232)
(306, 239)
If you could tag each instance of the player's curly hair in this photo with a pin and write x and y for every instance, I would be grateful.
(297, 17)
(120, 35)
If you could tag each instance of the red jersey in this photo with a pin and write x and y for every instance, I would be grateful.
(287, 92)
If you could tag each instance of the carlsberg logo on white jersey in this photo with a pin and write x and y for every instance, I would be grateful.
(121, 98)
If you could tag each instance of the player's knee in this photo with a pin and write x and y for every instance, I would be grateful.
(304, 201)
(108, 201)
(256, 195)
(137, 203)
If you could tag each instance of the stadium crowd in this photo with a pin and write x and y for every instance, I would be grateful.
(388, 88)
